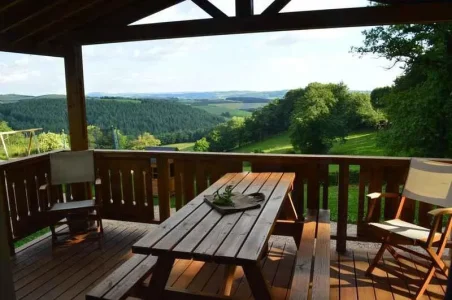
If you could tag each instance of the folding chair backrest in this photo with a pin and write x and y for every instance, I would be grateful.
(72, 167)
(430, 182)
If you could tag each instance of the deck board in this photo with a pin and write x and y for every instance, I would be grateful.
(69, 272)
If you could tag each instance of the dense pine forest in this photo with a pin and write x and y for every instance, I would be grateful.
(131, 117)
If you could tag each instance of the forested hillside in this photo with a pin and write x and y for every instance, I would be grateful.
(131, 117)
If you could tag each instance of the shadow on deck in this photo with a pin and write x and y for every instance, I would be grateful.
(70, 271)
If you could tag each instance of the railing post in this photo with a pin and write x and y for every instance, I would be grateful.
(5, 217)
(341, 242)
(6, 282)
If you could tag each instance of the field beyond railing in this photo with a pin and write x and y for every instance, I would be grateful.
(127, 186)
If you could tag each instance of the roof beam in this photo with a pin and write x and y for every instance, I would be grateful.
(45, 49)
(334, 18)
(275, 7)
(209, 8)
(244, 8)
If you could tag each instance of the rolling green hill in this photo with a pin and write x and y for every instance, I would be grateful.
(363, 143)
(221, 110)
(132, 117)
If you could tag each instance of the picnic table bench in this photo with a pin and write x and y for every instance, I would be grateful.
(199, 232)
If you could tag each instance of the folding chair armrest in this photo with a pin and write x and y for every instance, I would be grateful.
(441, 211)
(98, 181)
(374, 196)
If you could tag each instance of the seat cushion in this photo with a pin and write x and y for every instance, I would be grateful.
(406, 229)
(73, 205)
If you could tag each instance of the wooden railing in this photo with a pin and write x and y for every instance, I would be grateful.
(128, 191)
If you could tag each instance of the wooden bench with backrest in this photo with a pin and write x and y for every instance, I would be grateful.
(311, 274)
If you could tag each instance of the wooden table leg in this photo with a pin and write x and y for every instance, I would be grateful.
(289, 208)
(256, 280)
(160, 276)
(229, 272)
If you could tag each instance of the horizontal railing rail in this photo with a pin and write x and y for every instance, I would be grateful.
(131, 179)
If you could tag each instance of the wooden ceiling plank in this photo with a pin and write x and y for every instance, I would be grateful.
(334, 18)
(209, 8)
(275, 7)
(5, 4)
(23, 11)
(62, 11)
(244, 8)
(64, 26)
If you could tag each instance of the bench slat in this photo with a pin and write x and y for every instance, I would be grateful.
(138, 274)
(321, 271)
(102, 288)
(303, 264)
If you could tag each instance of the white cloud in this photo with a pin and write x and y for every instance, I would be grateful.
(23, 61)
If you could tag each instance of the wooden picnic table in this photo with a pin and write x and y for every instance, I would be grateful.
(199, 232)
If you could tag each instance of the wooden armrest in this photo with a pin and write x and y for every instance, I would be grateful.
(98, 181)
(383, 195)
(441, 211)
(43, 187)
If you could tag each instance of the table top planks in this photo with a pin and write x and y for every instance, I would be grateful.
(198, 231)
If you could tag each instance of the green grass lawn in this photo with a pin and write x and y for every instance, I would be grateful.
(276, 144)
(364, 143)
(219, 110)
(182, 146)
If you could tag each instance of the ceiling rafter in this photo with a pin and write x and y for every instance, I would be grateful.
(64, 26)
(209, 8)
(275, 7)
(244, 8)
(59, 12)
(320, 19)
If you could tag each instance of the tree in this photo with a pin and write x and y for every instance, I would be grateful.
(378, 97)
(143, 141)
(360, 113)
(201, 145)
(50, 141)
(318, 117)
(419, 105)
(227, 136)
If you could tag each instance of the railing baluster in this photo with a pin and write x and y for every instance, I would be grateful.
(363, 179)
(341, 243)
(313, 186)
(201, 178)
(163, 188)
(178, 182)
(188, 181)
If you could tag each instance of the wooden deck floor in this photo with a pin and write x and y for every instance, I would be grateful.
(68, 272)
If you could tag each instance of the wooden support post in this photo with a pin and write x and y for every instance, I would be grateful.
(244, 8)
(76, 106)
(4, 146)
(6, 250)
(342, 208)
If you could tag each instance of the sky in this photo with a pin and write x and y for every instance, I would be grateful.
(261, 62)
